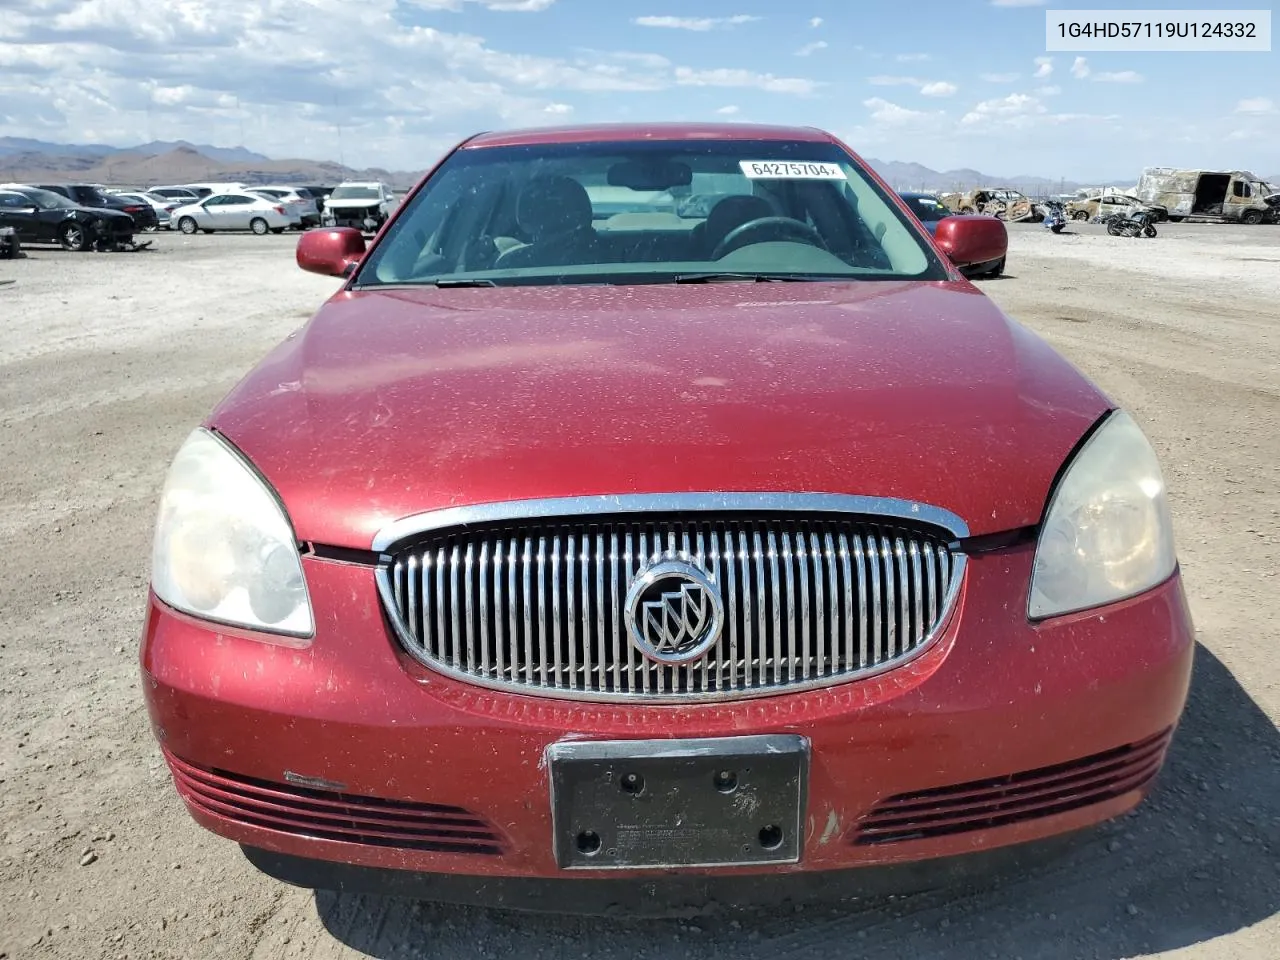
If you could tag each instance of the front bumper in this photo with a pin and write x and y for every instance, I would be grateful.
(362, 218)
(346, 750)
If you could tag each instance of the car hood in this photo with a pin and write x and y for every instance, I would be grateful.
(401, 401)
(373, 202)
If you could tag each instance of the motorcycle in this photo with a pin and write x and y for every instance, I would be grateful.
(1055, 215)
(1136, 222)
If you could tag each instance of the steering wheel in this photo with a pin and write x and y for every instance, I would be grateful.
(767, 228)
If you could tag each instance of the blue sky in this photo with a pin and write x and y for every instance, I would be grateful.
(393, 82)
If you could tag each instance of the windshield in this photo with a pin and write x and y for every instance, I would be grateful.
(355, 193)
(47, 199)
(649, 212)
(927, 209)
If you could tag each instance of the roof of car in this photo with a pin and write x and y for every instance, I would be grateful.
(598, 132)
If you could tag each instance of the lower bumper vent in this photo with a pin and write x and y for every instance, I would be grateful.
(1000, 801)
(303, 812)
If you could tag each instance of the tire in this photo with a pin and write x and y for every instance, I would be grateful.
(73, 235)
(258, 226)
(277, 230)
(1057, 227)
(187, 225)
(997, 270)
(1148, 231)
(1251, 217)
(1080, 215)
(1176, 219)
(1114, 229)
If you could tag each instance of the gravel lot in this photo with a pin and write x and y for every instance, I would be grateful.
(107, 360)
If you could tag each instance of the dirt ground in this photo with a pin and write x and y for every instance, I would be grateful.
(106, 361)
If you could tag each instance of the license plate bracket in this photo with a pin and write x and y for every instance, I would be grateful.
(723, 801)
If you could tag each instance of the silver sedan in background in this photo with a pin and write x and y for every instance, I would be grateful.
(234, 211)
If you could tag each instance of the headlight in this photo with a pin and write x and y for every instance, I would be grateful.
(224, 549)
(1108, 534)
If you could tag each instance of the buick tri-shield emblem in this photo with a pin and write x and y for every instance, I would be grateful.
(674, 612)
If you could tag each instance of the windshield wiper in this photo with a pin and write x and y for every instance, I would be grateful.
(463, 282)
(744, 278)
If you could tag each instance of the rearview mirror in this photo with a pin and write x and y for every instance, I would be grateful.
(972, 239)
(331, 252)
(650, 176)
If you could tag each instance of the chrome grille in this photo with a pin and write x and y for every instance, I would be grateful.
(535, 602)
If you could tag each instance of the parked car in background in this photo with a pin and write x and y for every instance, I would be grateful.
(92, 195)
(42, 216)
(208, 189)
(295, 199)
(363, 204)
(232, 211)
(160, 206)
(931, 211)
(183, 194)
(648, 562)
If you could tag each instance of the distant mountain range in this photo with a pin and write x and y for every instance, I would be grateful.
(12, 145)
(163, 162)
(914, 176)
(177, 161)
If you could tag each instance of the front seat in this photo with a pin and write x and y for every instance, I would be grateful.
(729, 214)
(555, 213)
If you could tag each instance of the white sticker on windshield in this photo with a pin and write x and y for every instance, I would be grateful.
(791, 170)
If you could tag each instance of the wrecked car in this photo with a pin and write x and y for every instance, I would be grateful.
(1227, 196)
(1102, 206)
(363, 204)
(646, 562)
(1002, 203)
(41, 216)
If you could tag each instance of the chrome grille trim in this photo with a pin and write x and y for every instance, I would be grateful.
(540, 585)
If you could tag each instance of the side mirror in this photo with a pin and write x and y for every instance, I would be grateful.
(972, 239)
(331, 252)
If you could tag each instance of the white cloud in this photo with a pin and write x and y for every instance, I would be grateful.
(1044, 67)
(1020, 111)
(928, 88)
(1014, 105)
(999, 77)
(699, 24)
(939, 88)
(689, 77)
(811, 48)
(1256, 105)
(1121, 76)
(893, 115)
(558, 108)
(728, 111)
(815, 23)
(1080, 68)
(912, 57)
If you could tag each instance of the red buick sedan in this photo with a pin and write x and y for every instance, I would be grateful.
(657, 512)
